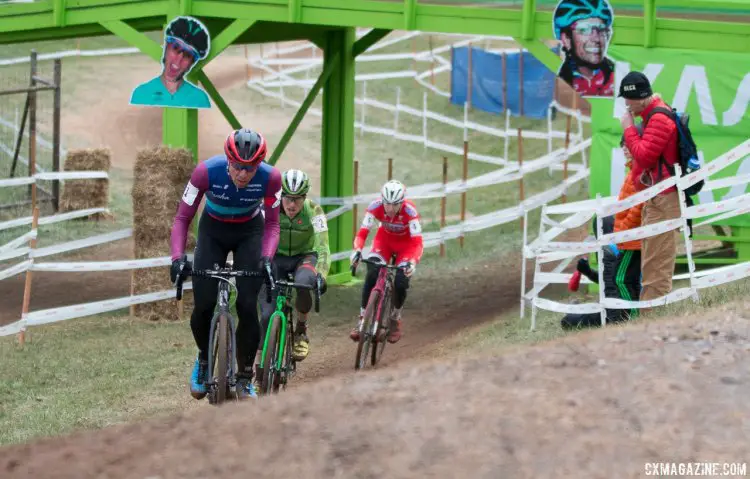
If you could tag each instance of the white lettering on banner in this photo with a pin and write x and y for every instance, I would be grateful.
(692, 77)
(191, 192)
(737, 111)
(695, 76)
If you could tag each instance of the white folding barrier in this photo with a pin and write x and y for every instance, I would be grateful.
(545, 249)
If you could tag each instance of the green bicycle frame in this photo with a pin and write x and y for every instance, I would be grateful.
(280, 302)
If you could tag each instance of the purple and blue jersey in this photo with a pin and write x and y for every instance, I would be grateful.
(225, 202)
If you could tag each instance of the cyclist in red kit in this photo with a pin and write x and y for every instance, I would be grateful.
(400, 234)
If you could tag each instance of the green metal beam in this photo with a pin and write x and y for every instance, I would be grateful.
(527, 19)
(541, 52)
(295, 11)
(649, 23)
(410, 14)
(227, 37)
(369, 39)
(311, 95)
(140, 41)
(201, 76)
(59, 12)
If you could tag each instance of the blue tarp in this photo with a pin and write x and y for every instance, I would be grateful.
(487, 82)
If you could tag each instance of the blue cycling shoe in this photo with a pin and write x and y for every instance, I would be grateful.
(198, 379)
(245, 387)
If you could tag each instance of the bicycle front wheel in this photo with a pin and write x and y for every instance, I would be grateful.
(220, 359)
(365, 334)
(384, 316)
(271, 356)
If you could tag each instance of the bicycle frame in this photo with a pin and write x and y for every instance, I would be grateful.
(223, 275)
(284, 364)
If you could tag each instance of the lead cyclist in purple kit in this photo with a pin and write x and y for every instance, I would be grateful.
(241, 215)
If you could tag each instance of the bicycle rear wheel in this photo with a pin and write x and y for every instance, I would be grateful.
(220, 360)
(384, 313)
(365, 334)
(271, 357)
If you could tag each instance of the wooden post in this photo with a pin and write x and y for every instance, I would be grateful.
(505, 81)
(132, 284)
(414, 58)
(390, 169)
(27, 286)
(56, 132)
(443, 202)
(32, 127)
(520, 82)
(262, 70)
(356, 192)
(463, 194)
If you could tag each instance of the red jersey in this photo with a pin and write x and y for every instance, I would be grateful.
(403, 231)
(595, 86)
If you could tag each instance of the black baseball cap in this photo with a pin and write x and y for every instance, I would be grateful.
(635, 86)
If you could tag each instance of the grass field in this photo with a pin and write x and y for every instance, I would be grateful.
(93, 372)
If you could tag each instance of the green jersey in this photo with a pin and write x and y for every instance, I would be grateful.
(154, 93)
(306, 233)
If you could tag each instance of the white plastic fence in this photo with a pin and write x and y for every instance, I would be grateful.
(508, 172)
(279, 73)
(545, 250)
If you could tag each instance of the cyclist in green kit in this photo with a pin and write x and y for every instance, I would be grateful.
(303, 249)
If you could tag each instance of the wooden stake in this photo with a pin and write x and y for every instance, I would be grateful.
(443, 202)
(390, 169)
(132, 284)
(356, 192)
(247, 64)
(505, 81)
(463, 195)
(27, 286)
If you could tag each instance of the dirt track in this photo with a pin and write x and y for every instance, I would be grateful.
(599, 405)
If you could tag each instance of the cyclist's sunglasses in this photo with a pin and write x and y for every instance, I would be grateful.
(182, 47)
(239, 166)
(295, 199)
(588, 30)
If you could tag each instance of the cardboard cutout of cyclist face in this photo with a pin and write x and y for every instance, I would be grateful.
(170, 88)
(586, 66)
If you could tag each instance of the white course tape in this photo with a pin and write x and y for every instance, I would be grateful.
(641, 232)
(82, 243)
(637, 198)
(23, 239)
(72, 175)
(706, 209)
(14, 253)
(48, 220)
(104, 265)
(735, 154)
(26, 180)
(726, 182)
(15, 269)
(673, 297)
(12, 328)
(585, 308)
(558, 278)
(723, 275)
(53, 315)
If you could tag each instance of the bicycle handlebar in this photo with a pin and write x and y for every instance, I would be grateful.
(315, 289)
(224, 273)
(374, 263)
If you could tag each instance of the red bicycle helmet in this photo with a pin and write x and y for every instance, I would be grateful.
(245, 147)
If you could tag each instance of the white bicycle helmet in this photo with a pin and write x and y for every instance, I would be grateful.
(393, 192)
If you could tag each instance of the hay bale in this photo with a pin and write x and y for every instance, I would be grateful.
(160, 176)
(85, 194)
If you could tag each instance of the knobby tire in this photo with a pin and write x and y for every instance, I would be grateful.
(222, 354)
(271, 356)
(384, 313)
(365, 337)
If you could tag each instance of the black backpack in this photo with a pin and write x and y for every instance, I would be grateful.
(687, 152)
